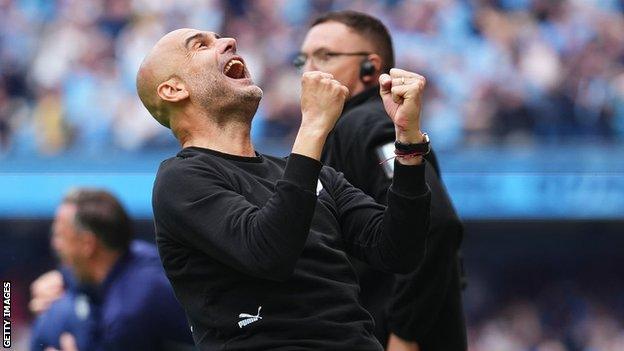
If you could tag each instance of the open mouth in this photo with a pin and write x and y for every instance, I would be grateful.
(235, 69)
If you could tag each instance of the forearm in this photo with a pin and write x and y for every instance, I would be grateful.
(388, 238)
(420, 298)
(407, 218)
(310, 141)
(279, 231)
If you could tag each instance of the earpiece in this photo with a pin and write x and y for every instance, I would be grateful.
(367, 68)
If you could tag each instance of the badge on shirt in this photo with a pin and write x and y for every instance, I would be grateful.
(386, 158)
(319, 187)
(82, 307)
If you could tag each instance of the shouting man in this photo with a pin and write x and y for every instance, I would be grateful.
(256, 246)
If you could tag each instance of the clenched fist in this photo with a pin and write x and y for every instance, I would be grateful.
(322, 100)
(45, 290)
(401, 92)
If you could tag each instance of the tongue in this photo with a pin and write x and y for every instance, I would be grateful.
(237, 71)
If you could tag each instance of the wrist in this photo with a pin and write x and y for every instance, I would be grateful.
(309, 142)
(312, 130)
(396, 343)
(409, 161)
(411, 153)
(414, 136)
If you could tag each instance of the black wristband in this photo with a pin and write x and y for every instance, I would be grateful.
(419, 148)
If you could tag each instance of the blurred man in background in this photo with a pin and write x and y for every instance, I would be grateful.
(116, 294)
(424, 311)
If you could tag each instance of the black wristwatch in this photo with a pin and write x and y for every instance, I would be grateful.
(419, 148)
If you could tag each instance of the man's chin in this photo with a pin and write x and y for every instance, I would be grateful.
(251, 92)
(256, 91)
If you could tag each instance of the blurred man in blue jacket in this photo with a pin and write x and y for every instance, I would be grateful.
(117, 296)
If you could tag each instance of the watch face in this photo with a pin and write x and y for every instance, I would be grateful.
(426, 136)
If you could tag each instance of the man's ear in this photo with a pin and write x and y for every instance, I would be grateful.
(89, 243)
(373, 78)
(172, 90)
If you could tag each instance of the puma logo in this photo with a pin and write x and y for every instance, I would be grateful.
(249, 318)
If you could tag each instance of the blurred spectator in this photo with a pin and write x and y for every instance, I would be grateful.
(116, 295)
(520, 71)
(5, 114)
(52, 131)
(522, 326)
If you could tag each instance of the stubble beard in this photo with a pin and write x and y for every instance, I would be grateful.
(225, 102)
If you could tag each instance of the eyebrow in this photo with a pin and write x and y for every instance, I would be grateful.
(193, 37)
(199, 35)
(320, 50)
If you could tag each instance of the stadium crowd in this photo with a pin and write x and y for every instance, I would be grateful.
(559, 315)
(513, 71)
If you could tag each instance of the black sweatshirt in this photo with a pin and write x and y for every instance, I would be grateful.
(426, 304)
(259, 260)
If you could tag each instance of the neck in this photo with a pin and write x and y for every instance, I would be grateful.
(101, 265)
(364, 84)
(230, 139)
(231, 136)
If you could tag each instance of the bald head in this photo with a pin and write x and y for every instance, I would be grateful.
(192, 77)
(159, 65)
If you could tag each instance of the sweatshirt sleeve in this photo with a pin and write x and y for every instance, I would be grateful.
(389, 238)
(429, 298)
(197, 207)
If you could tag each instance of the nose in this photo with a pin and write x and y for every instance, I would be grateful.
(309, 65)
(226, 44)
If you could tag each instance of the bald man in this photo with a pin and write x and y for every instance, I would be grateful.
(256, 246)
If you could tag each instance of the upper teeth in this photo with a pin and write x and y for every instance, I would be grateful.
(230, 64)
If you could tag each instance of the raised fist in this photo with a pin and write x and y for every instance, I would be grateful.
(401, 92)
(45, 290)
(322, 100)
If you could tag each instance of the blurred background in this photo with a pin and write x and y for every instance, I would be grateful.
(524, 105)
